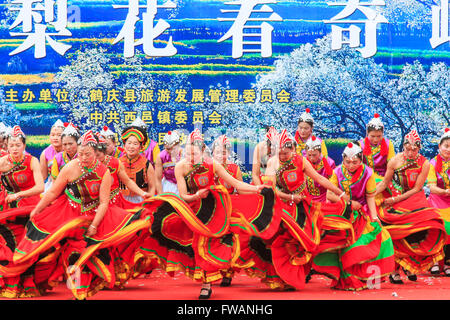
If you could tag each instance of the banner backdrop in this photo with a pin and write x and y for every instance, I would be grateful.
(227, 67)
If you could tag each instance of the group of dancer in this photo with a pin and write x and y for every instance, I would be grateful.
(93, 214)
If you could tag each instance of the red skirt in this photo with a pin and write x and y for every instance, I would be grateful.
(417, 231)
(91, 258)
(192, 238)
(293, 250)
(368, 257)
(13, 218)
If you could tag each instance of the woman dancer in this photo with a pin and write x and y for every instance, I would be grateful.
(377, 150)
(352, 266)
(165, 169)
(69, 139)
(74, 218)
(304, 131)
(323, 165)
(262, 153)
(112, 149)
(22, 184)
(136, 166)
(439, 184)
(50, 152)
(191, 233)
(418, 231)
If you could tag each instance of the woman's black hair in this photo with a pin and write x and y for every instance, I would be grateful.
(100, 146)
(22, 138)
(310, 122)
(371, 128)
(76, 137)
(289, 145)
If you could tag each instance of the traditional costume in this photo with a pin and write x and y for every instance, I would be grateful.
(418, 231)
(62, 158)
(324, 167)
(135, 168)
(49, 154)
(301, 143)
(108, 134)
(56, 234)
(169, 183)
(14, 216)
(377, 157)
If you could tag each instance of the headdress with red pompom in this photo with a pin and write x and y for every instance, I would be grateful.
(375, 123)
(284, 139)
(107, 133)
(446, 135)
(313, 143)
(171, 138)
(413, 138)
(306, 116)
(351, 150)
(195, 137)
(88, 138)
(16, 132)
(70, 130)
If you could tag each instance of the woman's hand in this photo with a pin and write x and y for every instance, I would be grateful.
(298, 198)
(33, 213)
(259, 188)
(202, 194)
(92, 230)
(389, 202)
(356, 205)
(146, 195)
(12, 197)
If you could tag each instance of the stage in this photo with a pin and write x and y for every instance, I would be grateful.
(159, 286)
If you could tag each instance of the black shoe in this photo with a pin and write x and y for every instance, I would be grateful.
(411, 277)
(205, 293)
(308, 277)
(395, 281)
(226, 282)
(435, 270)
(289, 288)
(447, 271)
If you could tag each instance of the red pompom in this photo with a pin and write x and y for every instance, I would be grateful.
(350, 145)
(169, 133)
(105, 128)
(66, 124)
(447, 129)
(313, 138)
(376, 115)
(308, 110)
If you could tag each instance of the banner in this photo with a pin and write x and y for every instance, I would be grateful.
(227, 67)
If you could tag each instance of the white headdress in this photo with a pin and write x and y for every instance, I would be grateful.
(171, 138)
(139, 123)
(376, 123)
(306, 116)
(352, 150)
(313, 143)
(58, 123)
